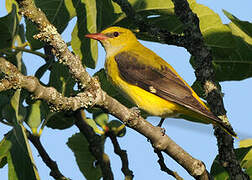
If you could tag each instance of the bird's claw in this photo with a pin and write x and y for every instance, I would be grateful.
(135, 110)
(163, 131)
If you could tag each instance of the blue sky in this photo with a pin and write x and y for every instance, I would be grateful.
(196, 139)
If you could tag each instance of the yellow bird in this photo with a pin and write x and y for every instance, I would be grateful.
(149, 81)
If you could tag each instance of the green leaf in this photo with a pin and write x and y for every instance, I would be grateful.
(20, 161)
(3, 162)
(57, 12)
(85, 48)
(243, 155)
(5, 146)
(93, 124)
(17, 60)
(34, 115)
(245, 26)
(5, 99)
(21, 34)
(117, 127)
(160, 13)
(236, 63)
(60, 120)
(11, 104)
(218, 172)
(61, 79)
(249, 172)
(231, 45)
(9, 5)
(107, 13)
(8, 30)
(8, 113)
(86, 162)
(18, 107)
(215, 33)
(15, 57)
(15, 150)
(32, 30)
(245, 142)
(247, 160)
(100, 117)
(19, 157)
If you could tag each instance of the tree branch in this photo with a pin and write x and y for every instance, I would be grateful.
(55, 172)
(6, 84)
(48, 33)
(164, 168)
(157, 138)
(49, 94)
(123, 156)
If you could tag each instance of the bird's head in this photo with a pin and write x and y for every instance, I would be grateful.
(114, 39)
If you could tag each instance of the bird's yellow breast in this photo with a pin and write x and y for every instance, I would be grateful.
(149, 102)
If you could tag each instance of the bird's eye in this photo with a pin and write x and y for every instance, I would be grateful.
(116, 34)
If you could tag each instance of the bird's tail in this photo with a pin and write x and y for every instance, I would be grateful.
(227, 128)
(211, 118)
(206, 116)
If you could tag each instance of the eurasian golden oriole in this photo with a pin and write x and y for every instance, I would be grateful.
(149, 81)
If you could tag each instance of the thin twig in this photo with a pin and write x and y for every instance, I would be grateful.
(123, 155)
(29, 51)
(18, 49)
(164, 168)
(95, 145)
(161, 35)
(6, 122)
(55, 172)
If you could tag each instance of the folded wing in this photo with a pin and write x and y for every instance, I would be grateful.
(162, 82)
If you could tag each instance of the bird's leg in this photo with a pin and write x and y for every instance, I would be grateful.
(161, 122)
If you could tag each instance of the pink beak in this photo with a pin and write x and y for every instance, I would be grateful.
(96, 36)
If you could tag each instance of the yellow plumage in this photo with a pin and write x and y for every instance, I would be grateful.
(149, 81)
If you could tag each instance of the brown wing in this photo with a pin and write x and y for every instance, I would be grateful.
(161, 82)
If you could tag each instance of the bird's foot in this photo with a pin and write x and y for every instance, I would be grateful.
(135, 110)
(162, 131)
(160, 124)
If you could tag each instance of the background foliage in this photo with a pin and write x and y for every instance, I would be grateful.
(231, 46)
